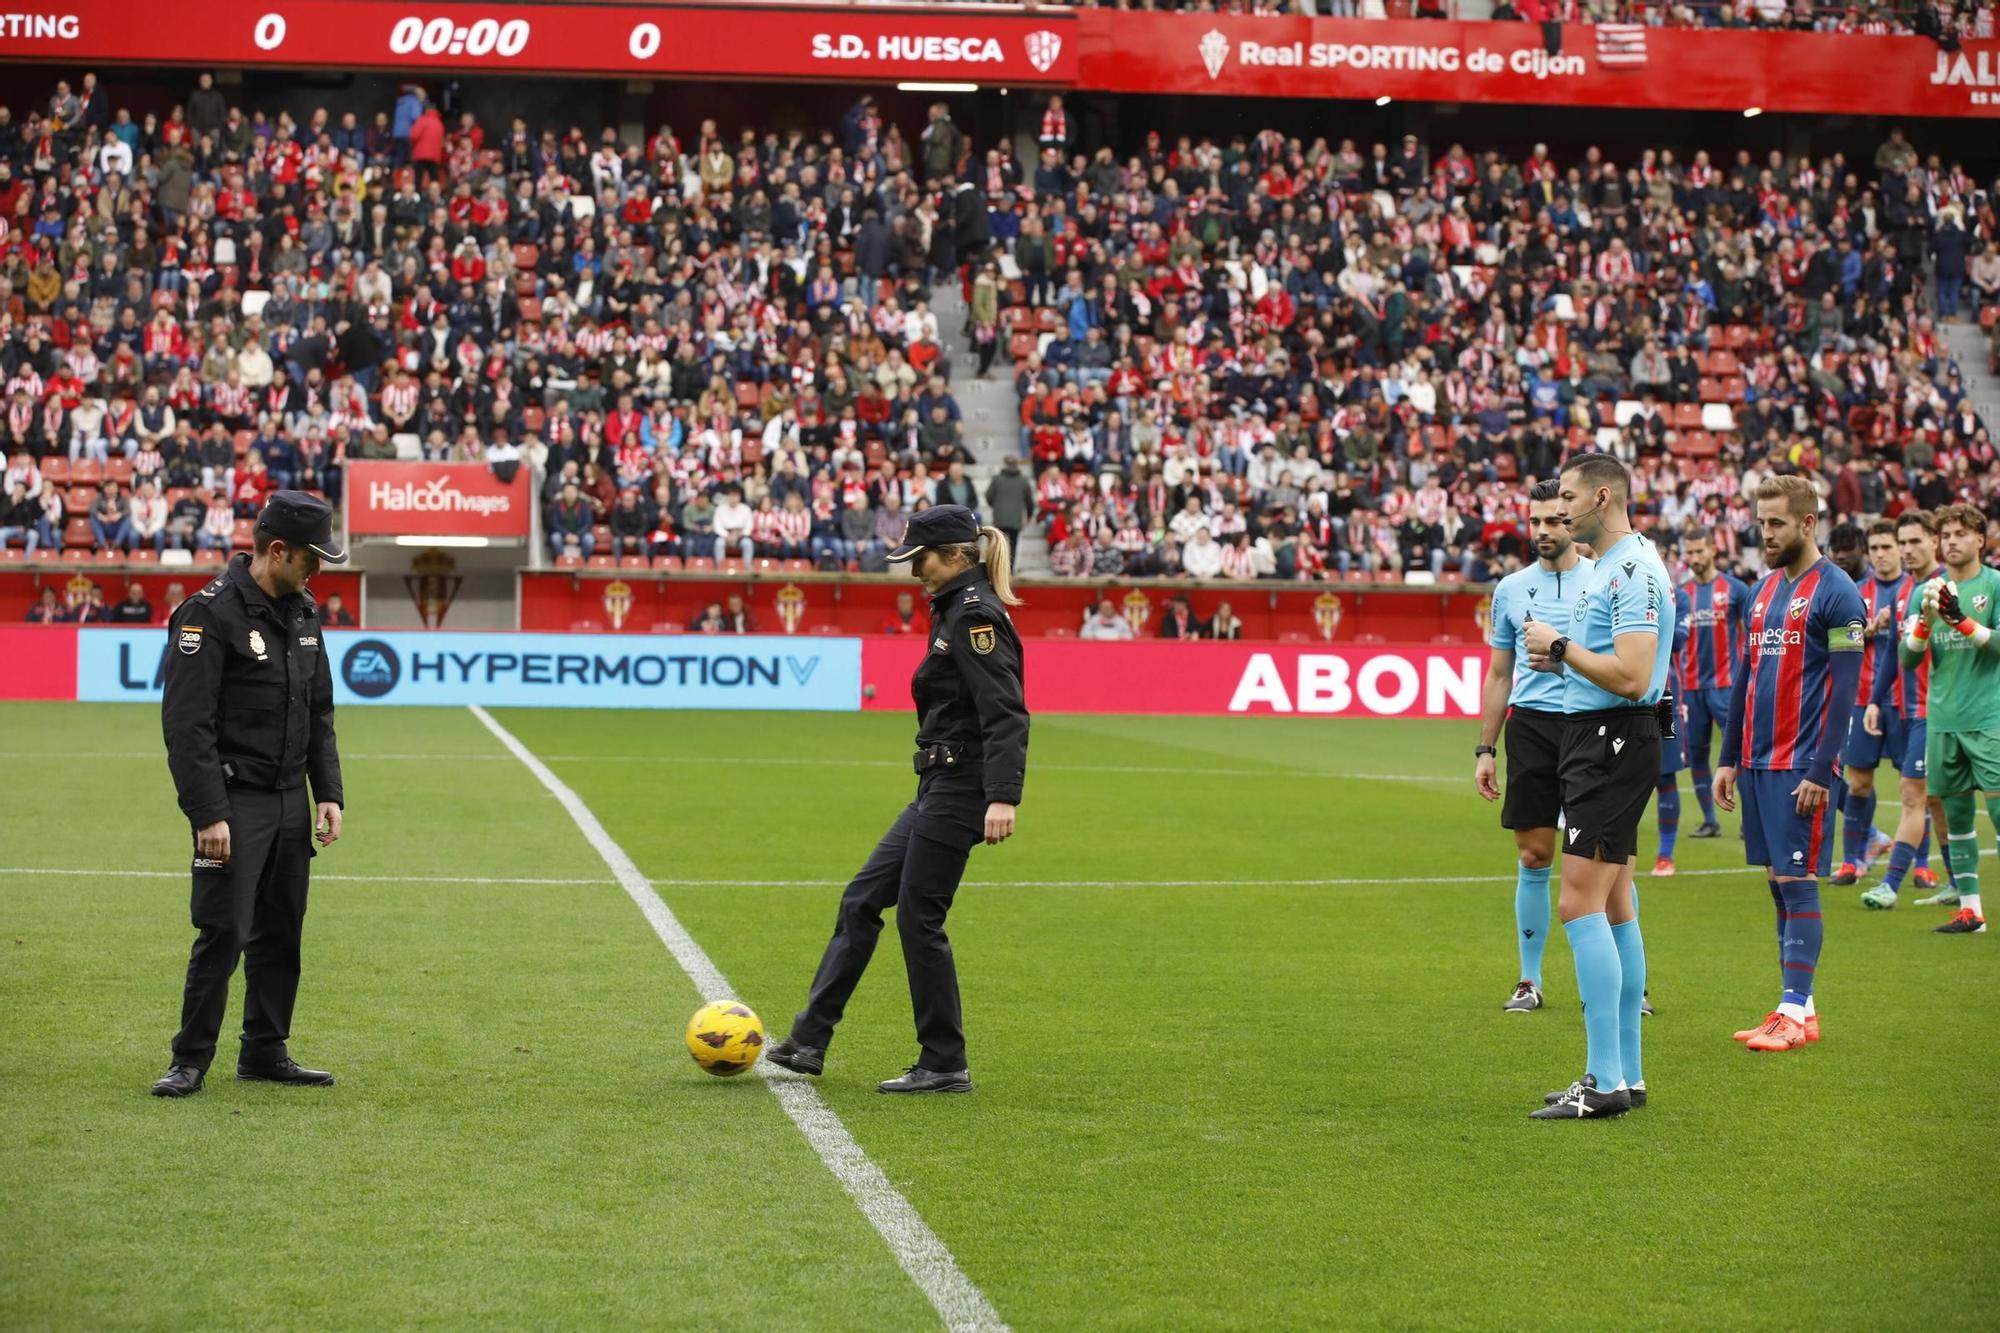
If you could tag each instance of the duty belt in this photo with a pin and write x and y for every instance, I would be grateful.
(944, 756)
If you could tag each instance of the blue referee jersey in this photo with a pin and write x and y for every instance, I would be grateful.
(1628, 591)
(1534, 592)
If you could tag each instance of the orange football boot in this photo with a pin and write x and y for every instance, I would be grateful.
(1780, 1034)
(1812, 1028)
(1663, 867)
(1762, 1023)
(1924, 877)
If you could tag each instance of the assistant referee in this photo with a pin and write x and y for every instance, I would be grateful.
(248, 717)
(1614, 663)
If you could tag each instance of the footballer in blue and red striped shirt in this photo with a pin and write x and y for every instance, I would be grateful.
(1787, 718)
(1717, 604)
(1900, 703)
(1885, 582)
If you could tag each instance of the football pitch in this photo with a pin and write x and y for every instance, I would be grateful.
(1233, 1006)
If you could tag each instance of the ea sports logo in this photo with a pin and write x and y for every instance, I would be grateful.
(371, 668)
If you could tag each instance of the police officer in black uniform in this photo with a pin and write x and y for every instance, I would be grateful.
(248, 717)
(972, 757)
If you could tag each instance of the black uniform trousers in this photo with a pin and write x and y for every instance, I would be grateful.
(915, 869)
(252, 907)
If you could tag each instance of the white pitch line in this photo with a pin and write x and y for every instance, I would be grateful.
(805, 761)
(1357, 882)
(337, 879)
(916, 1247)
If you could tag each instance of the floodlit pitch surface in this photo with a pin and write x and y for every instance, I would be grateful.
(1233, 999)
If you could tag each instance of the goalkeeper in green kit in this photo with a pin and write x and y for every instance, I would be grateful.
(1954, 628)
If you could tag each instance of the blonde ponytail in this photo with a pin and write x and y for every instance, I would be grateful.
(999, 565)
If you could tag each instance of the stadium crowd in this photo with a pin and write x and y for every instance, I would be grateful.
(1235, 357)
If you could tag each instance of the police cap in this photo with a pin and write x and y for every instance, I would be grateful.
(940, 525)
(300, 519)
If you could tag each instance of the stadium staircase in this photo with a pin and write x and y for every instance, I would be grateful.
(990, 413)
(1967, 342)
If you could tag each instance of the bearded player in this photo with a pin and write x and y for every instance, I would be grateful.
(1787, 718)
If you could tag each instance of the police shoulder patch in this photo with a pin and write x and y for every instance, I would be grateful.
(982, 638)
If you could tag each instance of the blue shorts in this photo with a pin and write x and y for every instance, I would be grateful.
(1911, 765)
(1868, 752)
(1775, 834)
(1705, 709)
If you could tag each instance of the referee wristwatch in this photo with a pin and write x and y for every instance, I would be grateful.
(1481, 751)
(1558, 648)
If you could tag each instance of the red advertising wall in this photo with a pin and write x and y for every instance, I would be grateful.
(1597, 65)
(22, 588)
(637, 601)
(435, 499)
(1110, 50)
(37, 662)
(1155, 677)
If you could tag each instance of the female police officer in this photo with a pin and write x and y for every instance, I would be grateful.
(972, 756)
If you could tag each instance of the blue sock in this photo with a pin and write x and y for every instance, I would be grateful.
(1531, 920)
(1632, 990)
(1670, 815)
(1704, 791)
(1599, 980)
(1778, 901)
(1900, 857)
(1924, 847)
(1804, 932)
(1860, 811)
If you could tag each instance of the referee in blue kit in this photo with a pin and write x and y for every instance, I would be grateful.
(1614, 662)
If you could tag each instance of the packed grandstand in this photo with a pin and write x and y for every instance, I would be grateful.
(1234, 356)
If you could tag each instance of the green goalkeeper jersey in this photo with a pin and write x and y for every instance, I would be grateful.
(1965, 680)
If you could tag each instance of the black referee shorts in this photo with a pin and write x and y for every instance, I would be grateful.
(1533, 798)
(1610, 765)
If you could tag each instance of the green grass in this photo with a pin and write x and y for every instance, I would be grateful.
(1229, 1103)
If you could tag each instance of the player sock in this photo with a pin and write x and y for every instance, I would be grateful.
(1924, 847)
(1961, 827)
(1900, 857)
(1704, 791)
(1631, 993)
(1669, 815)
(1531, 920)
(1599, 981)
(1860, 812)
(1778, 901)
(1804, 933)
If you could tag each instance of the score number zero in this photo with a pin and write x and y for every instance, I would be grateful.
(440, 36)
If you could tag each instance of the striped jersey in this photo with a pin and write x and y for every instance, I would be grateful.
(1534, 592)
(1879, 662)
(1716, 611)
(1913, 683)
(1796, 626)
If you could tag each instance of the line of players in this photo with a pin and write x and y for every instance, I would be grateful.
(1815, 677)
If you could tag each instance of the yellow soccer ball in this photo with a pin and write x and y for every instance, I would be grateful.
(725, 1037)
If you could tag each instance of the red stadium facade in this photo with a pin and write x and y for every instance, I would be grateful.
(1089, 50)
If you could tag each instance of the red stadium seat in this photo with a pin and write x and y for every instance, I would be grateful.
(76, 535)
(764, 564)
(569, 562)
(732, 565)
(55, 468)
(209, 558)
(701, 564)
(667, 627)
(12, 555)
(798, 566)
(633, 562)
(145, 555)
(120, 470)
(79, 499)
(669, 564)
(86, 472)
(602, 562)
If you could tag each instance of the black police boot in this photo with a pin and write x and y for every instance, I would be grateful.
(286, 1071)
(789, 1054)
(180, 1081)
(918, 1079)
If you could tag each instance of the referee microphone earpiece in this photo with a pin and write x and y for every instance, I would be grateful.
(1569, 520)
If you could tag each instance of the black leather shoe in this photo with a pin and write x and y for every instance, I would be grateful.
(286, 1071)
(789, 1054)
(918, 1079)
(180, 1081)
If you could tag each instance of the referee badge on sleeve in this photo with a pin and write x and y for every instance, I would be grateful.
(982, 638)
(189, 639)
